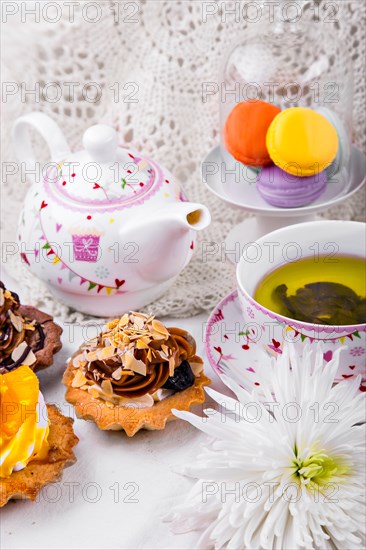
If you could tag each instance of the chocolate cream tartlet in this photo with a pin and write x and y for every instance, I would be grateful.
(133, 373)
(28, 336)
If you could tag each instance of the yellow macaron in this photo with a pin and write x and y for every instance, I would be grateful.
(301, 141)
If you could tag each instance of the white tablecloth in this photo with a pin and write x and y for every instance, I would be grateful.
(116, 493)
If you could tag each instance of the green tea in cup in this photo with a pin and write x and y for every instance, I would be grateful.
(323, 290)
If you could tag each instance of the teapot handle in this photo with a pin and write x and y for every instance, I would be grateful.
(50, 132)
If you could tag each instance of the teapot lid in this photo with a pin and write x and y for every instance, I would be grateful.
(103, 173)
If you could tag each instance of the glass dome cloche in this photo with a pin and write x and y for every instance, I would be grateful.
(289, 60)
(285, 107)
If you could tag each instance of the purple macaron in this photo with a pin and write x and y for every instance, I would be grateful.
(285, 190)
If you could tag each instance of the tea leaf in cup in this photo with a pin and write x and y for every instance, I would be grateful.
(323, 303)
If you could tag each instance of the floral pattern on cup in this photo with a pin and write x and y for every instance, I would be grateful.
(250, 312)
(278, 330)
(235, 349)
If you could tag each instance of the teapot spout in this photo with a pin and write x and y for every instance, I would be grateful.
(165, 239)
(189, 215)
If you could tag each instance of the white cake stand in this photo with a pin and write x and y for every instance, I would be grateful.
(235, 184)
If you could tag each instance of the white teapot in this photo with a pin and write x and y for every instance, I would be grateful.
(106, 230)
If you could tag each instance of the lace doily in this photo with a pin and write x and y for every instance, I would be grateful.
(160, 53)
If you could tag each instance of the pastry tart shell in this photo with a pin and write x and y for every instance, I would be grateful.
(27, 483)
(128, 418)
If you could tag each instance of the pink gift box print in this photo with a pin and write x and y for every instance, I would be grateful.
(86, 247)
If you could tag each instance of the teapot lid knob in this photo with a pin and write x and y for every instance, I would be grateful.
(101, 143)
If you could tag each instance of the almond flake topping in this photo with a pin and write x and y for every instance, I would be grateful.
(127, 346)
(106, 353)
(79, 379)
(92, 342)
(93, 392)
(78, 361)
(131, 363)
(142, 343)
(29, 326)
(16, 321)
(159, 328)
(18, 352)
(139, 323)
(8, 295)
(171, 366)
(92, 356)
(117, 374)
(112, 324)
(124, 320)
(158, 336)
(107, 387)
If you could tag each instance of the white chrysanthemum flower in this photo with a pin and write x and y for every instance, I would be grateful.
(285, 479)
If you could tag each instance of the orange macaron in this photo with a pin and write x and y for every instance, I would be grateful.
(246, 129)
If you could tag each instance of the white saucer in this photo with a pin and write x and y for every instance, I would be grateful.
(231, 351)
(232, 183)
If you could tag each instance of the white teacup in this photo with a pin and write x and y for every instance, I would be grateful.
(322, 238)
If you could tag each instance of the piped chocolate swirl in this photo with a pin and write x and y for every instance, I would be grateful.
(137, 355)
(27, 335)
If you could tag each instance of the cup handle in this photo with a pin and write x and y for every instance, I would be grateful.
(50, 132)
